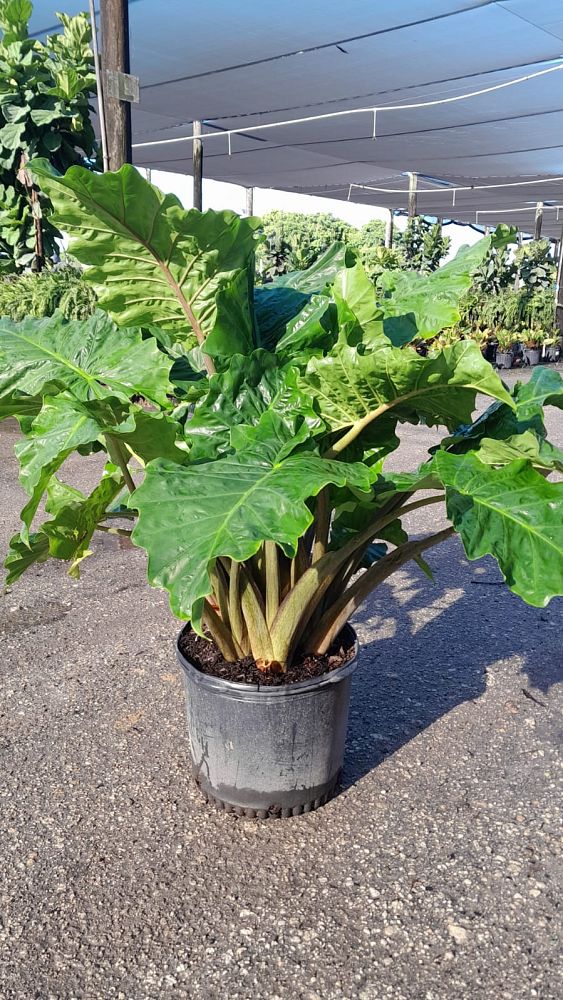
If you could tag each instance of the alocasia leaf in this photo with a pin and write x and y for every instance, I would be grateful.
(353, 389)
(225, 508)
(149, 260)
(323, 272)
(60, 428)
(70, 532)
(240, 396)
(499, 421)
(88, 357)
(430, 300)
(528, 445)
(279, 303)
(21, 555)
(512, 513)
(544, 388)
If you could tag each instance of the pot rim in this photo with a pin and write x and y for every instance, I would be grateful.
(238, 688)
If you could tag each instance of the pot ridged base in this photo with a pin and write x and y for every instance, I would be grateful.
(275, 811)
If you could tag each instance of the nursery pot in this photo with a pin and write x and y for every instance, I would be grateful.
(262, 751)
(532, 355)
(504, 359)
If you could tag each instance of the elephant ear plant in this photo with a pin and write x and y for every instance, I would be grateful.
(256, 478)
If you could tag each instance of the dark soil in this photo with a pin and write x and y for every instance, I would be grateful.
(204, 655)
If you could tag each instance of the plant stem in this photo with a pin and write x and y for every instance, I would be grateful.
(254, 617)
(114, 531)
(357, 429)
(272, 566)
(322, 524)
(235, 613)
(117, 454)
(220, 633)
(336, 617)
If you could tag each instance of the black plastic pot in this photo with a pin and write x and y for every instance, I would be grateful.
(268, 751)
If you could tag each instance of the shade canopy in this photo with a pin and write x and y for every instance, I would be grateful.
(237, 65)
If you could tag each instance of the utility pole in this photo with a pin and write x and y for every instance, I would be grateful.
(538, 220)
(197, 164)
(114, 16)
(412, 210)
(250, 201)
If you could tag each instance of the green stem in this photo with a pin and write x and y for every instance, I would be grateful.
(336, 617)
(114, 531)
(118, 456)
(322, 524)
(220, 633)
(357, 429)
(272, 567)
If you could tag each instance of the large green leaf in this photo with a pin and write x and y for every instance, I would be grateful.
(240, 396)
(60, 428)
(351, 388)
(359, 315)
(499, 421)
(280, 306)
(310, 330)
(89, 357)
(528, 445)
(429, 302)
(225, 508)
(544, 388)
(512, 513)
(151, 261)
(322, 273)
(21, 555)
(71, 530)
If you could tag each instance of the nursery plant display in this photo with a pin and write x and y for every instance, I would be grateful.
(45, 88)
(255, 472)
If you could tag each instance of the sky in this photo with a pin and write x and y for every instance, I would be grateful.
(219, 195)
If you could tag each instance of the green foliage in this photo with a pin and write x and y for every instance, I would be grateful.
(294, 241)
(536, 267)
(423, 244)
(260, 501)
(44, 111)
(38, 295)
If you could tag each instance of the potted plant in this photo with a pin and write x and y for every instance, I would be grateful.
(536, 340)
(506, 341)
(254, 472)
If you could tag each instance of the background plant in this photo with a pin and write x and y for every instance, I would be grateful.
(44, 111)
(62, 287)
(423, 244)
(260, 508)
(535, 265)
(295, 241)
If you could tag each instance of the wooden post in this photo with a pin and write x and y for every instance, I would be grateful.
(538, 220)
(559, 290)
(389, 229)
(114, 16)
(412, 211)
(197, 161)
(250, 201)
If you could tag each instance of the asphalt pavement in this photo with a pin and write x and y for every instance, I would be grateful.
(434, 875)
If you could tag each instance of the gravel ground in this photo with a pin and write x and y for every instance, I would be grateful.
(433, 875)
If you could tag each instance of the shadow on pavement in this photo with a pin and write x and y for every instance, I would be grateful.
(426, 647)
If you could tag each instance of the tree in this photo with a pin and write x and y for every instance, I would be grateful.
(536, 267)
(44, 111)
(295, 241)
(423, 244)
